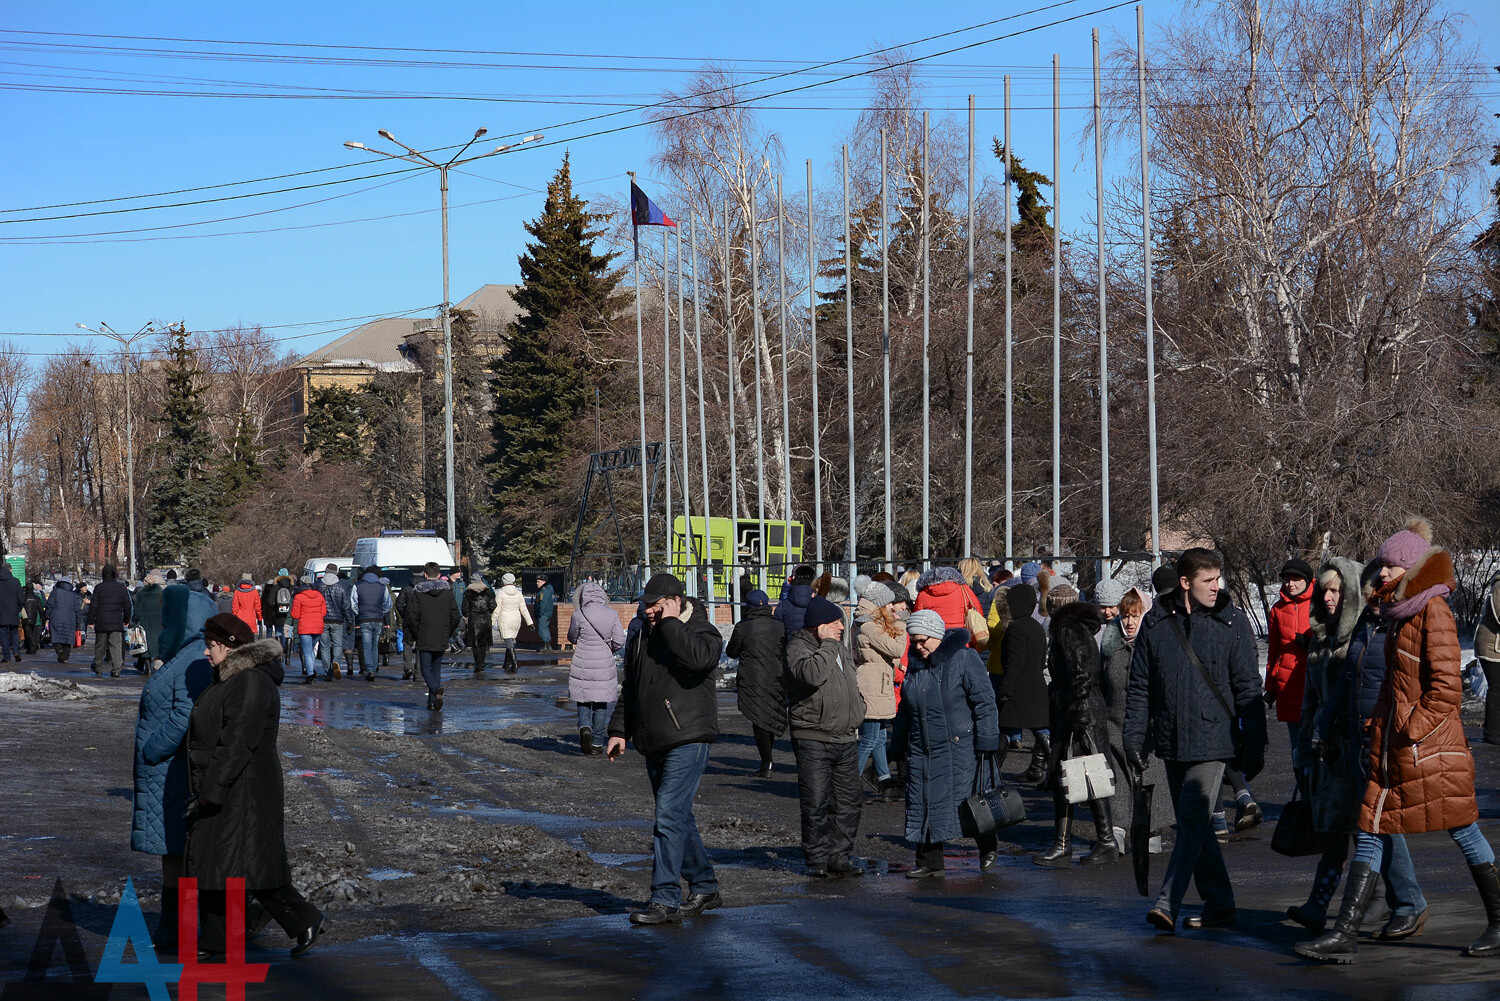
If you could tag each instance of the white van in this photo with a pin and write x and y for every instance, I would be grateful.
(401, 554)
(316, 567)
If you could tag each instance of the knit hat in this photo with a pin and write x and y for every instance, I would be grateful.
(283, 572)
(926, 623)
(230, 630)
(838, 589)
(861, 582)
(1061, 594)
(1164, 579)
(508, 578)
(757, 598)
(1298, 567)
(821, 611)
(1107, 593)
(898, 591)
(877, 594)
(1030, 572)
(1407, 547)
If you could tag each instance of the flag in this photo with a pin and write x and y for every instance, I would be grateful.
(644, 212)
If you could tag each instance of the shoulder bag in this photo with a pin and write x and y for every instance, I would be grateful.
(993, 806)
(1236, 723)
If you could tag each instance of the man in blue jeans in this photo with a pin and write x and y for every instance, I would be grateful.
(669, 710)
(371, 600)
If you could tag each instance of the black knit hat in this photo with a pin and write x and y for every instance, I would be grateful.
(1164, 579)
(228, 629)
(821, 611)
(1297, 567)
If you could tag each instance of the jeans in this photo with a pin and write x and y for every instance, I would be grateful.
(432, 669)
(1196, 855)
(1370, 848)
(1294, 732)
(109, 645)
(828, 786)
(595, 716)
(309, 642)
(677, 850)
(872, 745)
(369, 641)
(333, 641)
(10, 641)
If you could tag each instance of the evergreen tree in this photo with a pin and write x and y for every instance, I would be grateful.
(543, 382)
(185, 505)
(241, 469)
(332, 427)
(1030, 230)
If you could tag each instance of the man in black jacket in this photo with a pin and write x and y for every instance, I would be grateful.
(1193, 632)
(12, 605)
(669, 709)
(108, 612)
(431, 617)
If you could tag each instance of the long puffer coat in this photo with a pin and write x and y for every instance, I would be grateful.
(1075, 706)
(1021, 689)
(148, 615)
(1337, 776)
(479, 605)
(64, 612)
(759, 641)
(236, 773)
(1421, 769)
(946, 720)
(161, 727)
(510, 612)
(1287, 666)
(596, 635)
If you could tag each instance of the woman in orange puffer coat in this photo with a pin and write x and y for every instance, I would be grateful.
(942, 590)
(1421, 773)
(1286, 664)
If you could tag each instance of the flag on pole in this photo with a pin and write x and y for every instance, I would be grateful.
(644, 212)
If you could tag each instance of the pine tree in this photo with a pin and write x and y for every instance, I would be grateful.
(332, 427)
(543, 382)
(1030, 231)
(241, 469)
(185, 505)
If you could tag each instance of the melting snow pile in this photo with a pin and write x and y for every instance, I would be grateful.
(34, 686)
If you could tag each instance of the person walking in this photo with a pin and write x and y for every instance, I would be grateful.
(880, 641)
(1020, 686)
(34, 616)
(546, 605)
(309, 610)
(276, 610)
(337, 615)
(1193, 682)
(947, 729)
(1076, 714)
(65, 616)
(479, 630)
(510, 612)
(246, 603)
(1487, 649)
(108, 613)
(431, 617)
(759, 643)
(1286, 665)
(147, 614)
(236, 819)
(826, 711)
(370, 601)
(161, 757)
(668, 709)
(794, 598)
(1116, 648)
(1421, 771)
(12, 608)
(595, 635)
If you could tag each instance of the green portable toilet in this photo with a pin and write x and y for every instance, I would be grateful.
(18, 567)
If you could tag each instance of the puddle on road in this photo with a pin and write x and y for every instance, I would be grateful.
(416, 720)
(383, 875)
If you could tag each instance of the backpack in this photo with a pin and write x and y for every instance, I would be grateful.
(283, 600)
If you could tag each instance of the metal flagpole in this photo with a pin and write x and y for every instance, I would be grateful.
(666, 380)
(1009, 464)
(707, 555)
(926, 367)
(1104, 570)
(731, 558)
(1056, 306)
(885, 349)
(640, 385)
(1140, 55)
(969, 364)
(853, 548)
(689, 545)
(786, 396)
(812, 334)
(760, 438)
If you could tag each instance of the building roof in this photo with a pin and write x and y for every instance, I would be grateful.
(382, 344)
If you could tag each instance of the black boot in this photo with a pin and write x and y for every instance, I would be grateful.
(1105, 849)
(1039, 755)
(586, 739)
(1340, 945)
(1313, 915)
(1487, 878)
(510, 661)
(1060, 855)
(164, 939)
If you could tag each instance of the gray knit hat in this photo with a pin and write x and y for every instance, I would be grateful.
(1108, 593)
(877, 593)
(926, 623)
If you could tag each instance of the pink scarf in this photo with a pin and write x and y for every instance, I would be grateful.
(1400, 611)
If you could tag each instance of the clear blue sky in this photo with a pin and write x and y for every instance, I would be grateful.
(68, 147)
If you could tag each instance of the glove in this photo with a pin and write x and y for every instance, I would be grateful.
(1270, 700)
(196, 810)
(1331, 752)
(1136, 762)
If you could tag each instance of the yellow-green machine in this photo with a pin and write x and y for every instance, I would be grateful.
(736, 543)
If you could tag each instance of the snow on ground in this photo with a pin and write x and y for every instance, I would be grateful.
(34, 686)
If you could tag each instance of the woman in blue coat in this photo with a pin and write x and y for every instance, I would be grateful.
(946, 725)
(161, 765)
(65, 613)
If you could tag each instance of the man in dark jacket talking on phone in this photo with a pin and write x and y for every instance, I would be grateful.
(669, 710)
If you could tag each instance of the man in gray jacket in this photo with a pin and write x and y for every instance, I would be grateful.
(826, 712)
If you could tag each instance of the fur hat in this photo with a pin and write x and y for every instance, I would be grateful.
(1407, 547)
(877, 593)
(821, 611)
(230, 630)
(926, 623)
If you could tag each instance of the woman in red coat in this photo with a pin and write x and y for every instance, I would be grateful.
(942, 590)
(1286, 666)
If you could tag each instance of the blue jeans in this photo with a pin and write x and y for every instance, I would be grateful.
(369, 638)
(1294, 731)
(595, 716)
(872, 744)
(1370, 848)
(309, 660)
(333, 642)
(677, 850)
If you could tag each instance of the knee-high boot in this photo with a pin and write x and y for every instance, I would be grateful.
(1487, 878)
(1105, 849)
(1039, 755)
(1340, 944)
(1060, 855)
(1313, 915)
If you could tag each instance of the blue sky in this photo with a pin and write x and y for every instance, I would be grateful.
(69, 147)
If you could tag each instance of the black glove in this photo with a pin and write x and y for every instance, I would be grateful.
(196, 810)
(1136, 761)
(1270, 700)
(1331, 752)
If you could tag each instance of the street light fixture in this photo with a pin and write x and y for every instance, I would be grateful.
(105, 330)
(422, 160)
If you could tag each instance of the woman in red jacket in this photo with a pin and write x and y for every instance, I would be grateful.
(308, 610)
(942, 590)
(1286, 667)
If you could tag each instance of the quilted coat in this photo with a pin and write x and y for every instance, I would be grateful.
(941, 590)
(236, 773)
(759, 642)
(167, 698)
(596, 635)
(791, 610)
(1421, 770)
(510, 611)
(64, 612)
(947, 718)
(878, 656)
(1338, 774)
(1287, 663)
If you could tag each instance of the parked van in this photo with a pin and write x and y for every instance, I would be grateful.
(316, 567)
(401, 554)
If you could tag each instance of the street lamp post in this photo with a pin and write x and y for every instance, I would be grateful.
(105, 330)
(422, 160)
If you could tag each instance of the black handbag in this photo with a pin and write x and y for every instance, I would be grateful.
(1295, 836)
(993, 807)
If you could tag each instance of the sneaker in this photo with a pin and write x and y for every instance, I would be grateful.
(656, 914)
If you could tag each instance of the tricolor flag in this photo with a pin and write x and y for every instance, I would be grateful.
(644, 212)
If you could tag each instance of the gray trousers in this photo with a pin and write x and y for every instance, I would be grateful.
(111, 646)
(828, 784)
(333, 644)
(1195, 856)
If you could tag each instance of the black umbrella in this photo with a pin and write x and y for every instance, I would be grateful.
(1140, 836)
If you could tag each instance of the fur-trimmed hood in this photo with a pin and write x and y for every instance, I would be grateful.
(265, 654)
(1080, 613)
(1324, 629)
(1434, 568)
